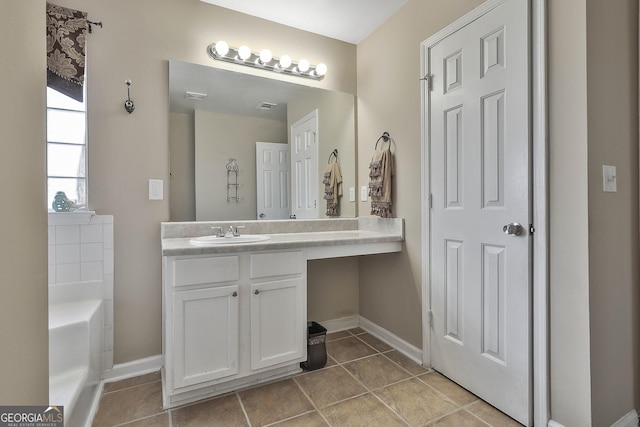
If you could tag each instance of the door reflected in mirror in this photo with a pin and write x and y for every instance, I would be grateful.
(217, 114)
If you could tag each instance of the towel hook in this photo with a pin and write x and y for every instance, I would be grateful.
(128, 104)
(334, 153)
(384, 137)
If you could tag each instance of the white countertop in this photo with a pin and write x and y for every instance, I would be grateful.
(371, 236)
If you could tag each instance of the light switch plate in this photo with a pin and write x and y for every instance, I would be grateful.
(609, 179)
(156, 189)
(363, 193)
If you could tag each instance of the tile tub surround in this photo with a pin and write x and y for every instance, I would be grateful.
(365, 382)
(81, 251)
(283, 234)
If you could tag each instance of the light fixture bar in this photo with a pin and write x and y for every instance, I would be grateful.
(266, 61)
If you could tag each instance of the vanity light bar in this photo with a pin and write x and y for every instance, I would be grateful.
(266, 61)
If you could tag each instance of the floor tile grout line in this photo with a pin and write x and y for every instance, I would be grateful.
(477, 416)
(390, 408)
(371, 391)
(446, 396)
(477, 402)
(139, 419)
(244, 411)
(312, 402)
(290, 418)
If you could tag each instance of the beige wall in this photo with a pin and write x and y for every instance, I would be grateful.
(125, 151)
(612, 117)
(332, 289)
(389, 100)
(220, 137)
(24, 337)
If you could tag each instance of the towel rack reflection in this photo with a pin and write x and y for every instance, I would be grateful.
(334, 154)
(232, 181)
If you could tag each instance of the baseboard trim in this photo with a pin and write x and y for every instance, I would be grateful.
(342, 324)
(629, 420)
(134, 368)
(409, 350)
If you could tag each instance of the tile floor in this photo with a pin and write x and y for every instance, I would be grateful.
(365, 383)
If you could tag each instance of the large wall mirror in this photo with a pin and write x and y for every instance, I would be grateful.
(217, 115)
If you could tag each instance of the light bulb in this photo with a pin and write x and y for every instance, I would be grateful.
(321, 70)
(265, 56)
(244, 52)
(285, 61)
(303, 66)
(222, 48)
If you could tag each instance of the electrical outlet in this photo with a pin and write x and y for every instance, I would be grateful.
(156, 190)
(352, 194)
(364, 193)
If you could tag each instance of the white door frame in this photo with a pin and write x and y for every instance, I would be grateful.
(540, 268)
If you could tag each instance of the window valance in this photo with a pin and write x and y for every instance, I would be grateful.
(66, 31)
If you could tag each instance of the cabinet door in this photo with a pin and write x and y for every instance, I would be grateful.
(278, 324)
(205, 333)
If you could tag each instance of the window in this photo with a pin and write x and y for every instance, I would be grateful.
(66, 148)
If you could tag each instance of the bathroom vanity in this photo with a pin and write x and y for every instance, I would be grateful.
(234, 311)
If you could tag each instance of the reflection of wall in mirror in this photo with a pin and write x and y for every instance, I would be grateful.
(219, 137)
(181, 166)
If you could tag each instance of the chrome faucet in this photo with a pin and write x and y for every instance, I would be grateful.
(233, 231)
(219, 233)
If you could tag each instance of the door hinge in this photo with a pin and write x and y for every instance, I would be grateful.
(531, 229)
(430, 201)
(428, 79)
(430, 317)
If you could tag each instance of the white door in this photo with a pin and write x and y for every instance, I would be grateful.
(480, 181)
(272, 180)
(304, 158)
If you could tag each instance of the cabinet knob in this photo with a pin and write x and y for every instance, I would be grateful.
(256, 292)
(235, 294)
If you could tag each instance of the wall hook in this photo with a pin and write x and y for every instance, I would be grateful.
(128, 104)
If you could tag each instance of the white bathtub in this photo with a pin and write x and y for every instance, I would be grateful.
(76, 341)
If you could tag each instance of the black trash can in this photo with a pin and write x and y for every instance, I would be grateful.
(316, 348)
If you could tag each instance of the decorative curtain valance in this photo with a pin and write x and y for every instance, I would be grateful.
(66, 30)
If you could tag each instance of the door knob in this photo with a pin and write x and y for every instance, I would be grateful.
(262, 215)
(513, 229)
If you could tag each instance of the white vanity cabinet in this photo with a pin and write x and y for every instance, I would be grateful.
(278, 308)
(205, 335)
(230, 321)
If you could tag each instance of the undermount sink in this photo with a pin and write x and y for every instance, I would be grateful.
(215, 240)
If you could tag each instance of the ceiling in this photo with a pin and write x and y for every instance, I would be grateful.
(229, 92)
(347, 20)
